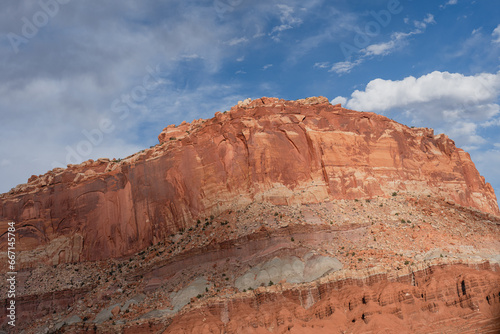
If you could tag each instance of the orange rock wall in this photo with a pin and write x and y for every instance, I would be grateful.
(453, 299)
(284, 152)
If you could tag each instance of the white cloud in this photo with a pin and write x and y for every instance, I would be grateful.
(291, 15)
(265, 67)
(467, 133)
(339, 99)
(449, 3)
(192, 56)
(398, 40)
(344, 66)
(287, 19)
(451, 102)
(435, 87)
(429, 19)
(475, 31)
(281, 28)
(323, 64)
(492, 122)
(60, 84)
(381, 49)
(496, 34)
(236, 41)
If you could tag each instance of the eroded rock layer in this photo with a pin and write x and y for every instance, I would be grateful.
(398, 264)
(452, 298)
(266, 150)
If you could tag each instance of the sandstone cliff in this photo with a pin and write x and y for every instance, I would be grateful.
(274, 217)
(266, 150)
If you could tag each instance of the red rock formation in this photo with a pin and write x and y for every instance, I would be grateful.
(454, 299)
(37, 306)
(283, 152)
(437, 273)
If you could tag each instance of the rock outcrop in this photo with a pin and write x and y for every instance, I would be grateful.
(265, 150)
(452, 298)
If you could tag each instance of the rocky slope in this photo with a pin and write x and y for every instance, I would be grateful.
(276, 216)
(266, 150)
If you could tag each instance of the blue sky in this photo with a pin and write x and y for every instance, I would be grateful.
(90, 79)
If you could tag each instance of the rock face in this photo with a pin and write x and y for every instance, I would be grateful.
(453, 299)
(265, 150)
(276, 216)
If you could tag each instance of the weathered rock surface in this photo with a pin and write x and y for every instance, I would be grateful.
(266, 150)
(107, 314)
(151, 288)
(276, 216)
(288, 269)
(437, 299)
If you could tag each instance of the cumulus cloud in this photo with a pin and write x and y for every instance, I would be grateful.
(339, 100)
(450, 102)
(442, 88)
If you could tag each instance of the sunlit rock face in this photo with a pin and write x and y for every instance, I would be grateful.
(265, 150)
(275, 216)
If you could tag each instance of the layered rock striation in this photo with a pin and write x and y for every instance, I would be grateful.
(265, 150)
(436, 299)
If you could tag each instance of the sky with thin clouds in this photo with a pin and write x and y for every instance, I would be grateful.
(82, 80)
